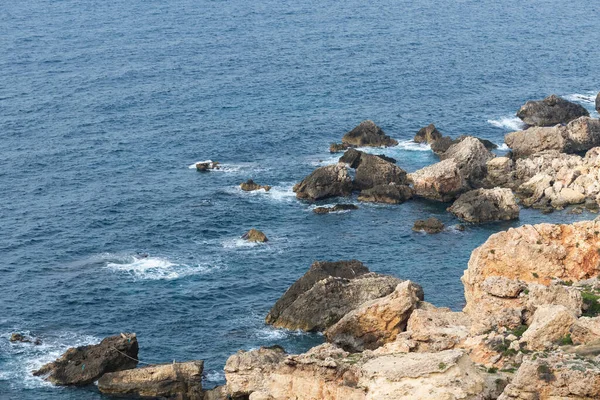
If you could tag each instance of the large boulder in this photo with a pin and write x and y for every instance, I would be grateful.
(373, 170)
(550, 324)
(327, 372)
(471, 156)
(368, 134)
(484, 205)
(531, 256)
(586, 330)
(327, 292)
(442, 181)
(181, 381)
(376, 322)
(429, 225)
(554, 376)
(328, 181)
(578, 135)
(500, 173)
(390, 194)
(550, 111)
(441, 145)
(80, 366)
(254, 235)
(428, 134)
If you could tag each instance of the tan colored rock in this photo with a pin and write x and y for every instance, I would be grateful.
(500, 286)
(485, 205)
(586, 330)
(428, 134)
(437, 329)
(441, 181)
(550, 324)
(500, 173)
(471, 157)
(554, 294)
(250, 186)
(254, 235)
(182, 381)
(537, 139)
(368, 134)
(558, 376)
(376, 322)
(389, 194)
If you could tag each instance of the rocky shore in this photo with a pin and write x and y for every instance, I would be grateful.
(530, 328)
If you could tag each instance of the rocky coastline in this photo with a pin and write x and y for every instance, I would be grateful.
(530, 328)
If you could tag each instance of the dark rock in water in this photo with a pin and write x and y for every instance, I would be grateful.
(17, 337)
(254, 235)
(84, 365)
(592, 205)
(351, 157)
(338, 147)
(250, 186)
(337, 207)
(576, 210)
(368, 134)
(428, 134)
(441, 145)
(327, 292)
(460, 227)
(550, 111)
(598, 102)
(205, 166)
(373, 171)
(329, 181)
(386, 158)
(484, 205)
(390, 194)
(170, 381)
(429, 225)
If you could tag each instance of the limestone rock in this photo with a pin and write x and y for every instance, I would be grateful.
(586, 330)
(386, 193)
(327, 292)
(484, 205)
(335, 208)
(429, 225)
(373, 170)
(442, 181)
(550, 111)
(428, 134)
(254, 235)
(435, 329)
(550, 324)
(368, 134)
(181, 381)
(500, 173)
(83, 365)
(500, 286)
(553, 377)
(376, 322)
(328, 181)
(471, 157)
(553, 294)
(250, 186)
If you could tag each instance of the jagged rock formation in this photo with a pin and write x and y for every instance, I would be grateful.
(428, 134)
(329, 181)
(550, 111)
(484, 205)
(250, 186)
(386, 193)
(368, 134)
(430, 225)
(442, 181)
(254, 235)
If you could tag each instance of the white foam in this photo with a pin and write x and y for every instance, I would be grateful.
(282, 192)
(587, 98)
(23, 358)
(155, 268)
(503, 147)
(240, 243)
(274, 334)
(511, 123)
(410, 145)
(331, 160)
(215, 376)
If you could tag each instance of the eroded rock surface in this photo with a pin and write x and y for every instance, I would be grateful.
(485, 205)
(324, 182)
(441, 181)
(428, 134)
(368, 134)
(550, 111)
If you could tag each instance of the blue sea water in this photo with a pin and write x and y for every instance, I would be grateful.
(105, 104)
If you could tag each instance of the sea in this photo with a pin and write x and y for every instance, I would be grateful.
(105, 106)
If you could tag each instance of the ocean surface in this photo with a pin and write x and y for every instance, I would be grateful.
(104, 105)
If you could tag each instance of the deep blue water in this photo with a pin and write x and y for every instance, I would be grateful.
(104, 105)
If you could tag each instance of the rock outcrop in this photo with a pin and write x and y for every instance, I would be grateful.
(485, 205)
(514, 272)
(256, 236)
(372, 171)
(327, 372)
(598, 103)
(428, 134)
(441, 145)
(368, 134)
(578, 135)
(550, 111)
(441, 181)
(500, 173)
(205, 166)
(429, 225)
(328, 181)
(250, 186)
(335, 208)
(181, 381)
(19, 338)
(376, 322)
(83, 365)
(338, 147)
(471, 156)
(327, 292)
(550, 324)
(386, 193)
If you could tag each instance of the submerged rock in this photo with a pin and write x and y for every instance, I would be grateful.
(17, 337)
(254, 235)
(327, 292)
(550, 111)
(324, 182)
(336, 208)
(429, 225)
(484, 205)
(428, 134)
(368, 134)
(390, 194)
(205, 166)
(181, 381)
(250, 186)
(376, 322)
(84, 365)
(338, 147)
